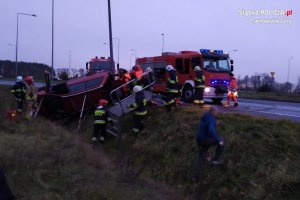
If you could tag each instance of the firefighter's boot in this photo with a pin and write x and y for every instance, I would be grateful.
(236, 104)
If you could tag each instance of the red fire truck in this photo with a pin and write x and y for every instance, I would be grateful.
(215, 64)
(100, 64)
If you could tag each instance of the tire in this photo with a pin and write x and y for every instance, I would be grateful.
(188, 94)
(217, 100)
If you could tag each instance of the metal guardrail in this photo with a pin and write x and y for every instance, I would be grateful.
(117, 91)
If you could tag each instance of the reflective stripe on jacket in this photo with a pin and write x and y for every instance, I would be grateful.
(19, 90)
(172, 83)
(140, 104)
(233, 85)
(199, 80)
(101, 116)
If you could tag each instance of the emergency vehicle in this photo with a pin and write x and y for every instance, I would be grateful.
(82, 93)
(215, 65)
(100, 64)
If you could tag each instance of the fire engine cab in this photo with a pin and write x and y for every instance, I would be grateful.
(215, 65)
(100, 64)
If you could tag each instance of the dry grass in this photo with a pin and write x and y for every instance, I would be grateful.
(46, 161)
(262, 156)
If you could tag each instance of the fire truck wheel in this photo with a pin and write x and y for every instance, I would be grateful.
(188, 93)
(217, 100)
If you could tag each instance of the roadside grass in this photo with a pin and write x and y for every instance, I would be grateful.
(290, 97)
(45, 161)
(261, 159)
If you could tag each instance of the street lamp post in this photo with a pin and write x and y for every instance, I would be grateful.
(288, 74)
(163, 42)
(110, 34)
(52, 43)
(131, 59)
(70, 60)
(134, 53)
(118, 39)
(17, 39)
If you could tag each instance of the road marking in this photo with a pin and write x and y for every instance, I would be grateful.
(279, 114)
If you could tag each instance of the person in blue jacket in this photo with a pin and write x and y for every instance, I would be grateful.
(207, 136)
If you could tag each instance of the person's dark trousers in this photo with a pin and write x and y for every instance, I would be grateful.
(198, 96)
(170, 100)
(203, 146)
(138, 123)
(5, 193)
(20, 104)
(99, 128)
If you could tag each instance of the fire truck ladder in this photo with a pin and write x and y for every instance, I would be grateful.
(120, 104)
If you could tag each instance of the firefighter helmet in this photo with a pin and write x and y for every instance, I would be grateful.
(19, 79)
(197, 68)
(29, 80)
(149, 69)
(169, 68)
(137, 88)
(102, 102)
(136, 68)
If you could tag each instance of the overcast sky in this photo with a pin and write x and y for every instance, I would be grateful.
(81, 26)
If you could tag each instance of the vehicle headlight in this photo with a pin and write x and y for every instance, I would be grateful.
(207, 89)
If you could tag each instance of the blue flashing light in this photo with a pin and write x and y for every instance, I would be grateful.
(219, 82)
(204, 50)
(211, 51)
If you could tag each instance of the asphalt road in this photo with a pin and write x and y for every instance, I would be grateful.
(270, 109)
(7, 82)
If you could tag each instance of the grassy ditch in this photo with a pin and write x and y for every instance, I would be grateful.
(271, 96)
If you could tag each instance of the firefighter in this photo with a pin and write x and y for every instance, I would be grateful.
(172, 88)
(232, 91)
(139, 107)
(136, 74)
(199, 86)
(206, 137)
(124, 78)
(31, 97)
(139, 71)
(101, 119)
(19, 91)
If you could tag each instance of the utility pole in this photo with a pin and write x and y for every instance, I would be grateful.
(110, 37)
(17, 39)
(70, 60)
(52, 53)
(163, 43)
(288, 75)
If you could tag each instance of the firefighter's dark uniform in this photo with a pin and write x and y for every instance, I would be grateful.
(140, 111)
(101, 119)
(137, 81)
(19, 90)
(199, 88)
(172, 90)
